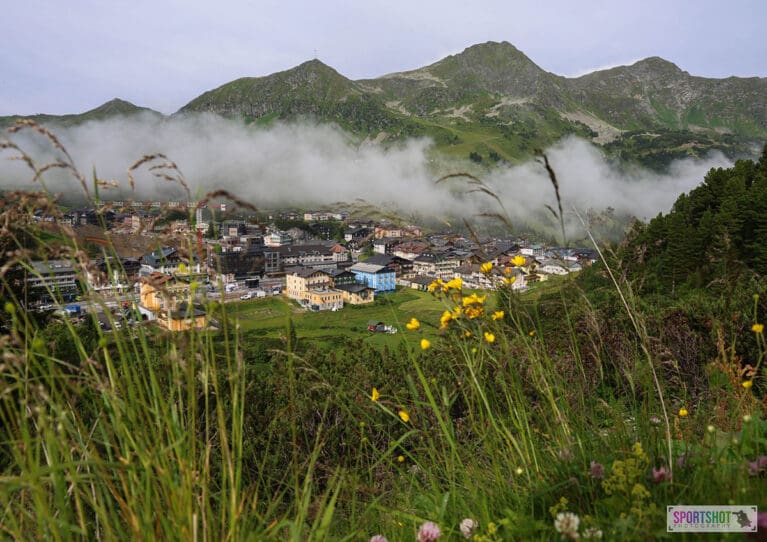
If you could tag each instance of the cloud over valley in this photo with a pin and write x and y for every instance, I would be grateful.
(311, 165)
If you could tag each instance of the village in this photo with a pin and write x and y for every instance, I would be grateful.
(325, 261)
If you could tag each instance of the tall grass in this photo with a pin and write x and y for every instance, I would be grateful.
(140, 434)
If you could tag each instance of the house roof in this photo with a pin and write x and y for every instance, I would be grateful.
(420, 279)
(363, 267)
(335, 273)
(386, 259)
(185, 311)
(299, 250)
(306, 272)
(353, 288)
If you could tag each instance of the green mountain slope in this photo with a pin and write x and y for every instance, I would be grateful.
(311, 89)
(491, 103)
(113, 108)
(656, 93)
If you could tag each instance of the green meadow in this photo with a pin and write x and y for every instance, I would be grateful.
(266, 317)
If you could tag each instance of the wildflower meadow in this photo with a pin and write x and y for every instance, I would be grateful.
(581, 413)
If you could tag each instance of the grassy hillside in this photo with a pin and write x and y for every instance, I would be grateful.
(491, 98)
(110, 109)
(580, 412)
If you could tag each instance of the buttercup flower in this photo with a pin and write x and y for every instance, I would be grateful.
(489, 337)
(374, 396)
(413, 324)
(486, 267)
(518, 260)
(757, 328)
(683, 412)
(747, 383)
(497, 315)
(400, 459)
(425, 344)
(404, 416)
(429, 532)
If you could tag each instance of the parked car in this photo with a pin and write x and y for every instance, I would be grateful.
(247, 296)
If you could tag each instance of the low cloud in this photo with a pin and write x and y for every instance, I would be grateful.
(312, 165)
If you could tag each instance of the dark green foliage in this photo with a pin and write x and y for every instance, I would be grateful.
(716, 231)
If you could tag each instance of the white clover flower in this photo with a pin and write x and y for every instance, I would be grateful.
(592, 533)
(468, 526)
(567, 524)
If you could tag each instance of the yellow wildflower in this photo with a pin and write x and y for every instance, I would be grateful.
(757, 328)
(473, 299)
(425, 344)
(473, 312)
(683, 412)
(518, 260)
(497, 315)
(532, 333)
(509, 280)
(400, 459)
(454, 284)
(435, 285)
(489, 337)
(467, 334)
(457, 312)
(747, 383)
(374, 396)
(444, 320)
(486, 267)
(413, 324)
(404, 416)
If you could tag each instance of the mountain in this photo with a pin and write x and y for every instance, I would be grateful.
(112, 108)
(491, 103)
(311, 89)
(656, 93)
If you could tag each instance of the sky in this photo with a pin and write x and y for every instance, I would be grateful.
(68, 57)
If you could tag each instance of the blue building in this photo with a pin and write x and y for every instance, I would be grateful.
(379, 277)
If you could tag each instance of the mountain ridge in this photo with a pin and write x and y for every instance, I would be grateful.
(492, 102)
